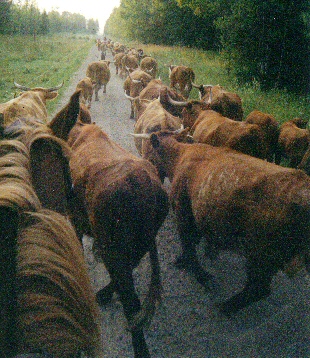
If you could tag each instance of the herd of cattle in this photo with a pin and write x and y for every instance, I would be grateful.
(63, 178)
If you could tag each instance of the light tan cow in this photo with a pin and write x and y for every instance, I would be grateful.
(31, 104)
(86, 85)
(99, 72)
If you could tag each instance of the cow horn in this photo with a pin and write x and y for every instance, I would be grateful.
(141, 135)
(52, 89)
(24, 88)
(177, 103)
(130, 98)
(196, 86)
(133, 80)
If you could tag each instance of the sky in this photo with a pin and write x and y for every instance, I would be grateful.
(91, 9)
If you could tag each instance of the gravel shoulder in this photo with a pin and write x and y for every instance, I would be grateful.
(187, 324)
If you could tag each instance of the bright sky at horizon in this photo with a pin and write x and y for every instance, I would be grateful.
(91, 9)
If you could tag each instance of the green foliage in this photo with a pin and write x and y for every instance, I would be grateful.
(45, 62)
(262, 41)
(161, 22)
(24, 17)
(267, 41)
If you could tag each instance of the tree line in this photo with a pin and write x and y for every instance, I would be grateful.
(25, 18)
(267, 42)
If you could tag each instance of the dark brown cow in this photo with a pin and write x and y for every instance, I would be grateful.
(126, 205)
(181, 78)
(229, 104)
(294, 140)
(100, 73)
(237, 202)
(270, 129)
(134, 84)
(31, 104)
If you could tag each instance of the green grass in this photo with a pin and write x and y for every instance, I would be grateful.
(49, 60)
(45, 62)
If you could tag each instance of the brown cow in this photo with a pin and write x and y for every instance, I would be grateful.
(213, 128)
(126, 206)
(30, 104)
(99, 72)
(129, 63)
(134, 84)
(305, 162)
(229, 104)
(149, 65)
(118, 64)
(237, 202)
(153, 119)
(210, 127)
(270, 129)
(294, 140)
(157, 89)
(181, 78)
(86, 85)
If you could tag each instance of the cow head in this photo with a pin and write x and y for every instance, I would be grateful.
(48, 93)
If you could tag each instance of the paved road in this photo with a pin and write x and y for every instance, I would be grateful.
(187, 324)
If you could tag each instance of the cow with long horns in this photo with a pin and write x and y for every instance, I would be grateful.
(30, 104)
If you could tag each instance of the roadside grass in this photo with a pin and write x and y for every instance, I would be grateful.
(49, 60)
(45, 62)
(209, 68)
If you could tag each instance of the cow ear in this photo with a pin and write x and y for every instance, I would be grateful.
(66, 118)
(154, 141)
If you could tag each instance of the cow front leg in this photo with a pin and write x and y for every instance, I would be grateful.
(259, 276)
(104, 89)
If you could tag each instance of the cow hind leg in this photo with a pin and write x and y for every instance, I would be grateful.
(121, 275)
(257, 287)
(188, 260)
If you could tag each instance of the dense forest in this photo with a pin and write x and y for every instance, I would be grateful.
(263, 41)
(24, 18)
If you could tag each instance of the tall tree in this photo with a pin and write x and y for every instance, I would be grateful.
(5, 16)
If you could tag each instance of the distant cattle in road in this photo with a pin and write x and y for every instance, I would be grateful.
(86, 85)
(99, 72)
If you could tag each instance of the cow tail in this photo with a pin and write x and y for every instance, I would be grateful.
(154, 296)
